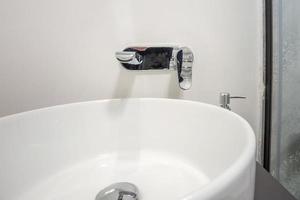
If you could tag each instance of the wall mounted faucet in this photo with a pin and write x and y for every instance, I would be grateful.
(160, 58)
(225, 99)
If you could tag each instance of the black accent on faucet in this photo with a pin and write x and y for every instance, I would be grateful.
(152, 58)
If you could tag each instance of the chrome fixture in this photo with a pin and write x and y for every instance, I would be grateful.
(129, 57)
(160, 58)
(119, 191)
(225, 99)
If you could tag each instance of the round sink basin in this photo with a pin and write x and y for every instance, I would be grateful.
(169, 149)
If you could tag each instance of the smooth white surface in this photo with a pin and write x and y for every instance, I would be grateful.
(153, 173)
(170, 149)
(61, 51)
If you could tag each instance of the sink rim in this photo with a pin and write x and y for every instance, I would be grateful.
(218, 183)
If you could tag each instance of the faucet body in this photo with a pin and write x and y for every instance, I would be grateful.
(160, 58)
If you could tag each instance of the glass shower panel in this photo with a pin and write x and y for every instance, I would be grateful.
(285, 147)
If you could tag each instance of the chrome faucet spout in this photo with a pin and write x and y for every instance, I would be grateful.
(129, 57)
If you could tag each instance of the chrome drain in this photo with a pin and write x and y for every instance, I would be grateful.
(119, 191)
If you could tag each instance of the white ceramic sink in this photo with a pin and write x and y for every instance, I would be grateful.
(170, 149)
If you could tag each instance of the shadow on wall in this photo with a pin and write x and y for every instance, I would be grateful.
(126, 80)
(118, 109)
(164, 84)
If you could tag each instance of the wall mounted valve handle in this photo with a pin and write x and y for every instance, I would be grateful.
(225, 99)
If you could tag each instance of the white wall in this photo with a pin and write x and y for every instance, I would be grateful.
(61, 51)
